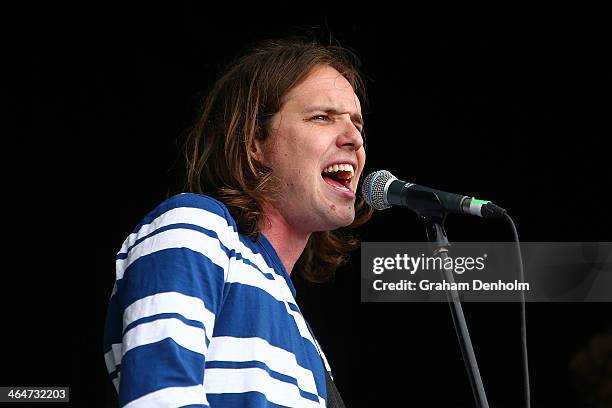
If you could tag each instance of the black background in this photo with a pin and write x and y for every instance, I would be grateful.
(507, 104)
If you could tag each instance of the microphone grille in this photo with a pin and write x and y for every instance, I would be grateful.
(373, 189)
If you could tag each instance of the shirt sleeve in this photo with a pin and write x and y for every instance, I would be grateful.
(170, 283)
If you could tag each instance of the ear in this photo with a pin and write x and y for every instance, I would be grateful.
(257, 150)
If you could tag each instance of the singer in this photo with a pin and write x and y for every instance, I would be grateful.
(203, 311)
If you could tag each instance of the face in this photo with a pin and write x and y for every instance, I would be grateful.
(315, 150)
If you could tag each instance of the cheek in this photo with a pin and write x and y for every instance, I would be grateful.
(361, 158)
(296, 157)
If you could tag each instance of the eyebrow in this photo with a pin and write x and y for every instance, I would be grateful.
(355, 117)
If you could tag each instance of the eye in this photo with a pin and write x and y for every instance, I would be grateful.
(321, 117)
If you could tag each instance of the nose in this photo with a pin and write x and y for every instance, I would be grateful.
(350, 136)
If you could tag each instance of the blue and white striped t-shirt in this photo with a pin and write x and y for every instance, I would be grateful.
(201, 316)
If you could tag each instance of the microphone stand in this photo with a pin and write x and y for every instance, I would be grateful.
(433, 215)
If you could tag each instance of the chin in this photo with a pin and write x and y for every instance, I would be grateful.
(336, 222)
(346, 221)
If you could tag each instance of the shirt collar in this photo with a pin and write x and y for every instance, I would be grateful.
(278, 265)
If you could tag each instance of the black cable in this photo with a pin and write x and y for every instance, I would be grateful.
(523, 316)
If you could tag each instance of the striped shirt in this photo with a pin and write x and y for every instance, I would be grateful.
(202, 316)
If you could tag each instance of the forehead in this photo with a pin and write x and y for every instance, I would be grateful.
(324, 86)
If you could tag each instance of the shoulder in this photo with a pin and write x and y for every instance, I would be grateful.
(187, 220)
(183, 215)
(188, 208)
(191, 200)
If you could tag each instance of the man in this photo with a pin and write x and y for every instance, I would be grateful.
(203, 312)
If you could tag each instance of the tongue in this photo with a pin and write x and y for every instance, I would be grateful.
(333, 182)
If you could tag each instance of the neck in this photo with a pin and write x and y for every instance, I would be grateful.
(288, 242)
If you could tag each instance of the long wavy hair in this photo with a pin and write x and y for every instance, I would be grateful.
(235, 112)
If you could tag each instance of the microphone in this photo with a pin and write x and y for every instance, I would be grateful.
(382, 190)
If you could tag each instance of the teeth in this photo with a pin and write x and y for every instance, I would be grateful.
(340, 167)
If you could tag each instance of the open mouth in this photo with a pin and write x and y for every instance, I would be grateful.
(339, 176)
